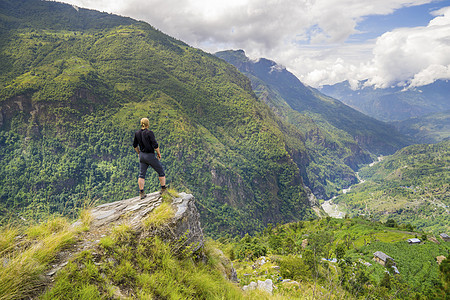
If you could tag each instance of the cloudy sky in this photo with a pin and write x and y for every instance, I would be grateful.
(388, 42)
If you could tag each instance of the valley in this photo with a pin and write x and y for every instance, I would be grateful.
(250, 154)
(410, 187)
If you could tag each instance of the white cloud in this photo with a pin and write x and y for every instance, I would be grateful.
(307, 36)
(430, 74)
(413, 55)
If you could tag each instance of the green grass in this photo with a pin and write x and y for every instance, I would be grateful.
(159, 216)
(148, 268)
(7, 236)
(27, 253)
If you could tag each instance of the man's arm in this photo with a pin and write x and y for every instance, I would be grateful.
(136, 149)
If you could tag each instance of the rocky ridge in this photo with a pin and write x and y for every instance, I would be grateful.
(183, 228)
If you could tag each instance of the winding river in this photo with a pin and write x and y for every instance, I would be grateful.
(331, 208)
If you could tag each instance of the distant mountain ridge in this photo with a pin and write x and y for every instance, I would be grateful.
(305, 99)
(432, 128)
(395, 103)
(336, 136)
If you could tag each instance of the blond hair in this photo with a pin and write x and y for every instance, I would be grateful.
(145, 123)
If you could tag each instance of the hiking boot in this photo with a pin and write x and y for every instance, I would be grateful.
(163, 190)
(142, 195)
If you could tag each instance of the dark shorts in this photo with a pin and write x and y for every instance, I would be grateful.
(149, 159)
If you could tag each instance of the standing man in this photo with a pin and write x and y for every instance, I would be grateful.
(145, 145)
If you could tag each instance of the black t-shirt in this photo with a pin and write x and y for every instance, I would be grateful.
(146, 141)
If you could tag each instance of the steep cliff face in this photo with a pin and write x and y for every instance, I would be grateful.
(32, 118)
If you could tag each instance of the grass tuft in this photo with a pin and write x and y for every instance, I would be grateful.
(7, 237)
(21, 273)
(169, 194)
(86, 219)
(55, 225)
(107, 242)
(122, 233)
(159, 216)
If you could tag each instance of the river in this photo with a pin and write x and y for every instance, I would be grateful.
(331, 208)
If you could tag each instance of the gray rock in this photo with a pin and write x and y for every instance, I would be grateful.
(77, 223)
(252, 285)
(184, 228)
(266, 285)
(186, 223)
(233, 276)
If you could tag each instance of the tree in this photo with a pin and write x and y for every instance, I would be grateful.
(340, 251)
(444, 267)
(386, 281)
(391, 223)
(321, 242)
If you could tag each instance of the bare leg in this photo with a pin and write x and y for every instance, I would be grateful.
(141, 182)
(162, 180)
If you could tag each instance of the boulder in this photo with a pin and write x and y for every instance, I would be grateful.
(251, 286)
(183, 229)
(184, 226)
(266, 285)
(440, 259)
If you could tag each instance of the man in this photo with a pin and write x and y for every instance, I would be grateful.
(145, 145)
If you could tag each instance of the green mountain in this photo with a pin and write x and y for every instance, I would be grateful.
(338, 138)
(411, 186)
(74, 84)
(433, 128)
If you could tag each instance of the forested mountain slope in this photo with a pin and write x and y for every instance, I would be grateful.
(74, 84)
(411, 186)
(338, 138)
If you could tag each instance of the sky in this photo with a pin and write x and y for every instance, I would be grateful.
(383, 42)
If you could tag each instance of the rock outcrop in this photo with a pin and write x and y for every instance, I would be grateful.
(183, 228)
(137, 245)
(184, 225)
